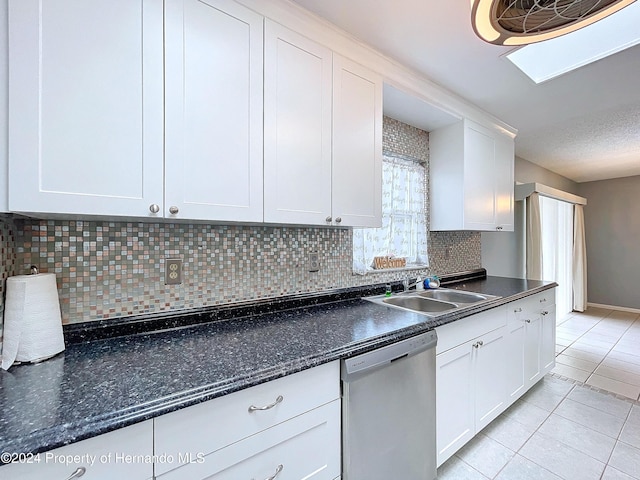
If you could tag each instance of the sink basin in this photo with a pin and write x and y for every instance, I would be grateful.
(420, 304)
(453, 296)
(433, 302)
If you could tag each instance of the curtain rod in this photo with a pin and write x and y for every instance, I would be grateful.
(524, 190)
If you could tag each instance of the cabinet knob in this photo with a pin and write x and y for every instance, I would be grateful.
(328, 219)
(80, 471)
(338, 219)
(173, 210)
(527, 320)
(154, 208)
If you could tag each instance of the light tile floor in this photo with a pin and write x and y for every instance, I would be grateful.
(560, 429)
(600, 348)
(580, 422)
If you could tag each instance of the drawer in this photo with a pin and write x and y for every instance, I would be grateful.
(533, 303)
(106, 451)
(463, 330)
(307, 446)
(212, 425)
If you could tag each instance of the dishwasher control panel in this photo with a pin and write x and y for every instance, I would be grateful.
(390, 353)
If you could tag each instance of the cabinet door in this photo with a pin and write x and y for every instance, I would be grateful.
(504, 183)
(297, 115)
(533, 337)
(514, 365)
(548, 340)
(85, 109)
(213, 102)
(105, 457)
(489, 375)
(357, 145)
(454, 400)
(479, 154)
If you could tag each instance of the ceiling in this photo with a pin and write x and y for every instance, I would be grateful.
(584, 125)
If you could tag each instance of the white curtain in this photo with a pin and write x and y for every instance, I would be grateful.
(557, 250)
(579, 261)
(404, 221)
(534, 237)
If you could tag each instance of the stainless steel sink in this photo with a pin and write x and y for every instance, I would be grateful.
(420, 304)
(453, 296)
(432, 302)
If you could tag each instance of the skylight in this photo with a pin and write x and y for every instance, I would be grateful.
(552, 58)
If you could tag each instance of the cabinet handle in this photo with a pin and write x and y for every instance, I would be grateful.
(478, 344)
(173, 210)
(543, 300)
(328, 219)
(253, 408)
(544, 312)
(498, 228)
(278, 470)
(338, 219)
(528, 320)
(517, 310)
(154, 208)
(80, 471)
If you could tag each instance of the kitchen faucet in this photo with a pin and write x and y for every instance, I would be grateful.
(407, 283)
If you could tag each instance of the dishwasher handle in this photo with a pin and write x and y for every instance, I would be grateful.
(382, 356)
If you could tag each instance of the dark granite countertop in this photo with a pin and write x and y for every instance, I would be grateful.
(101, 385)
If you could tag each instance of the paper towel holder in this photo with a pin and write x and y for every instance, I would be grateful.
(34, 270)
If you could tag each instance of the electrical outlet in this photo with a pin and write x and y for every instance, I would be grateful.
(173, 271)
(314, 262)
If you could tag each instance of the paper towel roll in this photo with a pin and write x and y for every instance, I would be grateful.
(32, 320)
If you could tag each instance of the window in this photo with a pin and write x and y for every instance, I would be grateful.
(404, 220)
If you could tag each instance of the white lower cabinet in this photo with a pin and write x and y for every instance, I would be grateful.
(293, 421)
(305, 447)
(487, 361)
(530, 342)
(548, 342)
(125, 453)
(470, 385)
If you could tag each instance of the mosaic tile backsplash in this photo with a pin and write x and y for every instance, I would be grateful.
(112, 269)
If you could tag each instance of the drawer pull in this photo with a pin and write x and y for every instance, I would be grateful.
(528, 320)
(478, 344)
(278, 470)
(80, 471)
(253, 408)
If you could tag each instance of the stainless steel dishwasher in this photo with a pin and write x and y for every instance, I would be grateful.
(389, 412)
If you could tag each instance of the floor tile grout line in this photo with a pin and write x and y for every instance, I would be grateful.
(536, 431)
(610, 312)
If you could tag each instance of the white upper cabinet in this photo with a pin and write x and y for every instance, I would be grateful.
(357, 145)
(297, 133)
(213, 108)
(85, 106)
(471, 178)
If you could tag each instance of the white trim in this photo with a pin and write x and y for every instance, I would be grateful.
(524, 190)
(613, 307)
